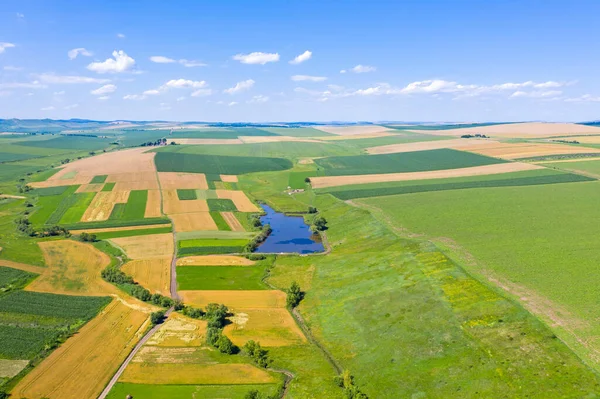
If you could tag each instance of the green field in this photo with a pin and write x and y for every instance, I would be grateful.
(210, 246)
(50, 191)
(9, 157)
(591, 168)
(220, 221)
(417, 161)
(190, 235)
(69, 143)
(221, 205)
(133, 209)
(130, 233)
(98, 179)
(220, 278)
(108, 186)
(121, 390)
(214, 133)
(11, 279)
(221, 164)
(298, 179)
(296, 131)
(78, 205)
(116, 223)
(50, 209)
(206, 194)
(187, 194)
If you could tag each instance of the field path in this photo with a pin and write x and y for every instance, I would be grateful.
(134, 351)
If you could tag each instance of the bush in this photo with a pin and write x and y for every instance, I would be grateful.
(294, 295)
(320, 223)
(256, 257)
(212, 335)
(86, 237)
(192, 312)
(312, 209)
(259, 355)
(141, 293)
(224, 345)
(157, 317)
(112, 274)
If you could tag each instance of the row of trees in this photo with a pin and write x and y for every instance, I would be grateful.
(259, 238)
(24, 226)
(162, 141)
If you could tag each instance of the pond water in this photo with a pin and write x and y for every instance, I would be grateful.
(290, 234)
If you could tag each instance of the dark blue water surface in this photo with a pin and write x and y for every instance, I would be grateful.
(290, 234)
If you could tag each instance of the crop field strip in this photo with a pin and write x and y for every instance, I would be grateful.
(194, 221)
(220, 278)
(218, 164)
(133, 209)
(210, 246)
(153, 274)
(220, 221)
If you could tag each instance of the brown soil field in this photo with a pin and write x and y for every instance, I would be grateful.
(153, 205)
(136, 185)
(102, 205)
(79, 179)
(526, 150)
(10, 368)
(431, 145)
(73, 269)
(187, 374)
(229, 178)
(178, 331)
(232, 221)
(524, 130)
(276, 139)
(131, 177)
(82, 366)
(90, 188)
(172, 205)
(207, 141)
(23, 266)
(146, 247)
(239, 198)
(272, 327)
(334, 181)
(251, 299)
(195, 221)
(109, 229)
(175, 180)
(214, 260)
(153, 274)
(353, 130)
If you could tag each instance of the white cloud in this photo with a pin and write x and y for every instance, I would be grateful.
(536, 94)
(23, 85)
(50, 108)
(12, 68)
(256, 58)
(361, 69)
(71, 106)
(78, 51)
(301, 78)
(202, 93)
(134, 97)
(240, 86)
(104, 90)
(4, 46)
(583, 98)
(103, 98)
(120, 63)
(191, 63)
(343, 71)
(51, 78)
(152, 92)
(258, 99)
(120, 36)
(184, 83)
(159, 59)
(231, 104)
(165, 106)
(305, 56)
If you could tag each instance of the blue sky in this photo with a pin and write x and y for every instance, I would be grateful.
(358, 60)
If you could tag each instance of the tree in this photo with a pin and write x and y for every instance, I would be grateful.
(212, 335)
(312, 209)
(252, 394)
(294, 295)
(307, 180)
(259, 355)
(225, 345)
(320, 223)
(157, 317)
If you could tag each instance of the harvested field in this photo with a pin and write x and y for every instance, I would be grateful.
(175, 180)
(23, 266)
(10, 368)
(90, 188)
(463, 144)
(185, 374)
(136, 185)
(172, 205)
(239, 198)
(131, 177)
(270, 327)
(214, 260)
(229, 178)
(255, 299)
(73, 269)
(524, 130)
(207, 141)
(146, 247)
(153, 204)
(193, 221)
(353, 130)
(527, 150)
(83, 365)
(232, 221)
(102, 205)
(111, 229)
(585, 139)
(178, 331)
(153, 274)
(334, 181)
(360, 136)
(275, 139)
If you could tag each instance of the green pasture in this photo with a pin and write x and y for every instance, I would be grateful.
(108, 186)
(121, 390)
(587, 167)
(130, 233)
(210, 246)
(49, 191)
(221, 205)
(51, 208)
(133, 209)
(98, 179)
(220, 221)
(221, 164)
(11, 279)
(116, 223)
(69, 143)
(296, 131)
(205, 194)
(216, 133)
(17, 246)
(77, 207)
(220, 278)
(186, 194)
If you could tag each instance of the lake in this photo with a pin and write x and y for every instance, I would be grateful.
(290, 234)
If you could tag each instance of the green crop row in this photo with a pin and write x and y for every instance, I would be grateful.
(186, 194)
(221, 205)
(217, 164)
(189, 251)
(98, 179)
(134, 209)
(129, 233)
(44, 304)
(49, 191)
(115, 223)
(220, 221)
(108, 187)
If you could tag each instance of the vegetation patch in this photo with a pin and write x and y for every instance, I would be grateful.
(133, 209)
(115, 223)
(221, 278)
(154, 391)
(221, 205)
(187, 194)
(130, 233)
(217, 164)
(98, 179)
(12, 279)
(210, 246)
(220, 220)
(80, 203)
(49, 191)
(298, 180)
(108, 186)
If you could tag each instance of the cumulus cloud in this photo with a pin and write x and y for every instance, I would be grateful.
(191, 63)
(79, 51)
(536, 94)
(305, 56)
(184, 83)
(134, 97)
(50, 108)
(51, 78)
(152, 92)
(4, 46)
(103, 98)
(240, 86)
(202, 93)
(360, 69)
(104, 90)
(256, 58)
(301, 78)
(120, 63)
(258, 99)
(159, 59)
(231, 104)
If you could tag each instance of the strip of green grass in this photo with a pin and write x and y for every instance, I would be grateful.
(55, 205)
(211, 243)
(190, 251)
(116, 223)
(220, 278)
(75, 212)
(108, 186)
(297, 179)
(217, 164)
(220, 221)
(121, 390)
(221, 205)
(134, 209)
(206, 194)
(49, 191)
(98, 179)
(220, 235)
(44, 175)
(129, 233)
(186, 194)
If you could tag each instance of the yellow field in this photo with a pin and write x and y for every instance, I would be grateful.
(122, 177)
(232, 221)
(83, 365)
(229, 178)
(463, 144)
(153, 274)
(251, 299)
(334, 181)
(23, 266)
(193, 221)
(270, 327)
(178, 331)
(207, 141)
(214, 260)
(136, 185)
(239, 198)
(525, 150)
(523, 130)
(109, 229)
(10, 368)
(102, 205)
(172, 205)
(146, 247)
(73, 269)
(189, 373)
(153, 204)
(353, 130)
(586, 139)
(175, 180)
(90, 188)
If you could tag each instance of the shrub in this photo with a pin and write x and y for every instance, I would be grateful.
(259, 355)
(224, 345)
(294, 295)
(192, 312)
(212, 335)
(112, 274)
(86, 237)
(157, 317)
(312, 209)
(256, 257)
